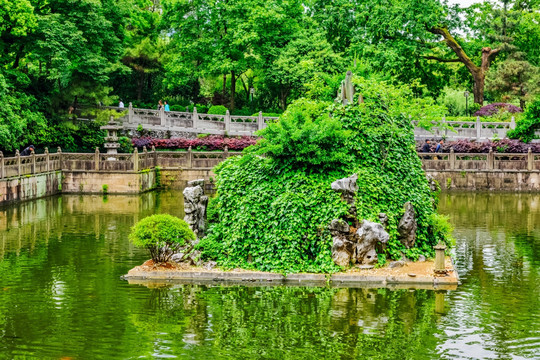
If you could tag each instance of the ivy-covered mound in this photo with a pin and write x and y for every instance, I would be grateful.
(272, 213)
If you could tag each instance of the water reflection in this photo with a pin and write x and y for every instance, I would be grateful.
(61, 295)
(496, 311)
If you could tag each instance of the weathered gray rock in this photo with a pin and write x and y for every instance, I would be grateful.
(209, 265)
(195, 204)
(346, 185)
(342, 251)
(407, 226)
(369, 234)
(193, 194)
(361, 246)
(421, 258)
(396, 264)
(340, 226)
(178, 257)
(198, 182)
(432, 183)
(195, 257)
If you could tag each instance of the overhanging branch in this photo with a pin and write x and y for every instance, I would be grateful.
(441, 59)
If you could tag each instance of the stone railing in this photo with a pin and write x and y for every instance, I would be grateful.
(193, 122)
(205, 160)
(491, 161)
(17, 165)
(28, 165)
(473, 130)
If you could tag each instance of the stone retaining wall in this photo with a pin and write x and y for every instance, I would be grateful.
(30, 187)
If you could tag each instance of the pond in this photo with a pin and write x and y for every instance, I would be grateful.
(61, 296)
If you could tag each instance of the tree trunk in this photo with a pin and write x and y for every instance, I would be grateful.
(478, 72)
(283, 93)
(478, 87)
(233, 88)
(140, 85)
(224, 87)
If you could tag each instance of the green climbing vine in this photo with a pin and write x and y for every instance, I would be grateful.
(272, 212)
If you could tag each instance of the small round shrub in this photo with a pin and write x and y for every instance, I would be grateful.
(162, 235)
(217, 110)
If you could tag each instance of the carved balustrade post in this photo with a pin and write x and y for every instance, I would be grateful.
(130, 113)
(145, 152)
(135, 159)
(18, 156)
(225, 152)
(1, 165)
(530, 160)
(444, 131)
(189, 158)
(478, 126)
(227, 122)
(33, 164)
(96, 159)
(452, 158)
(260, 121)
(195, 117)
(47, 160)
(60, 165)
(490, 159)
(155, 155)
(162, 116)
(513, 123)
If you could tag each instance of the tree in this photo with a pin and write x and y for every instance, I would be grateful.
(162, 235)
(298, 63)
(211, 36)
(514, 77)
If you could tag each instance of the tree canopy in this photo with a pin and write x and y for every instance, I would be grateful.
(59, 56)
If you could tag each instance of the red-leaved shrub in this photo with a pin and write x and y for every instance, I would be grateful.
(208, 143)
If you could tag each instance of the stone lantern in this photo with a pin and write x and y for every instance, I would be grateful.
(440, 267)
(111, 140)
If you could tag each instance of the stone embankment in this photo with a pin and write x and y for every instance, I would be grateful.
(406, 274)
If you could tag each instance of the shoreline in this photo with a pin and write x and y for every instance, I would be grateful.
(410, 275)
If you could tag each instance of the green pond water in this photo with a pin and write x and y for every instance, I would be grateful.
(61, 296)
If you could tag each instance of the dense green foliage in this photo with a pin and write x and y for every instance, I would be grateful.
(305, 137)
(217, 110)
(528, 124)
(60, 56)
(272, 213)
(162, 235)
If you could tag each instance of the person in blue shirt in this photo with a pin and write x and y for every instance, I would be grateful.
(439, 148)
(167, 107)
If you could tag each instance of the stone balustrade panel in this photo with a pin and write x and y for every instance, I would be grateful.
(78, 161)
(173, 159)
(146, 117)
(510, 161)
(206, 160)
(466, 161)
(10, 167)
(116, 162)
(179, 119)
(248, 127)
